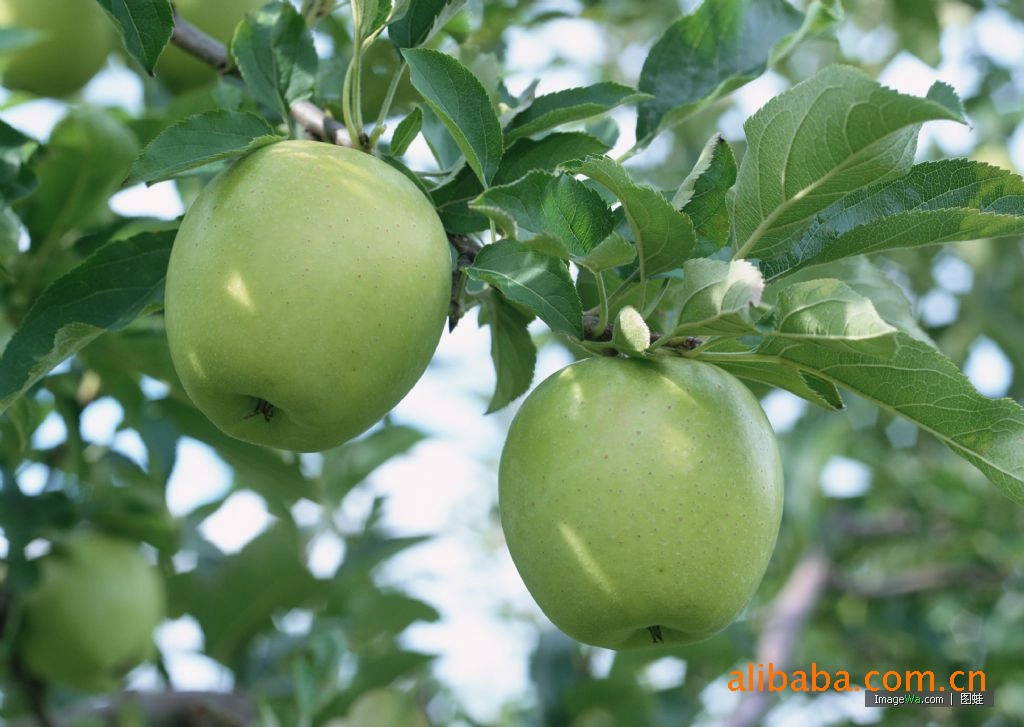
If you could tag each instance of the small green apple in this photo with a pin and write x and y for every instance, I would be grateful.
(306, 292)
(90, 618)
(217, 18)
(641, 499)
(75, 38)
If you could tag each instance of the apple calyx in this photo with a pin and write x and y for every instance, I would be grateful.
(263, 407)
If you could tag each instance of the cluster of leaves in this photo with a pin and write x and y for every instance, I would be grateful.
(828, 174)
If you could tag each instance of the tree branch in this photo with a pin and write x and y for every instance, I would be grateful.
(786, 618)
(926, 578)
(160, 709)
(311, 117)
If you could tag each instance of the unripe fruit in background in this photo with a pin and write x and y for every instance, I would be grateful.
(641, 499)
(306, 292)
(75, 37)
(217, 18)
(90, 618)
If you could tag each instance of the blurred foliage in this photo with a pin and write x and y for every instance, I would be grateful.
(924, 567)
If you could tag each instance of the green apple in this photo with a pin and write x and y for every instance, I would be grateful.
(641, 499)
(306, 292)
(180, 70)
(90, 618)
(74, 40)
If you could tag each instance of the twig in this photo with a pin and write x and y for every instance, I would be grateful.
(311, 117)
(466, 246)
(320, 124)
(786, 618)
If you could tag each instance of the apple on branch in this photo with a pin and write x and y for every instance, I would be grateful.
(641, 499)
(306, 292)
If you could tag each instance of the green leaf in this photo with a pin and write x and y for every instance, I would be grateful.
(17, 425)
(664, 236)
(830, 313)
(819, 141)
(106, 292)
(267, 577)
(703, 56)
(370, 17)
(704, 195)
(364, 552)
(16, 179)
(459, 100)
(870, 281)
(553, 205)
(348, 465)
(383, 706)
(547, 153)
(921, 384)
(442, 144)
(944, 201)
(919, 29)
(146, 27)
(421, 21)
(11, 138)
(630, 333)
(201, 139)
(378, 670)
(573, 104)
(80, 167)
(387, 613)
(522, 157)
(717, 298)
(801, 383)
(512, 350)
(273, 49)
(612, 252)
(538, 282)
(406, 131)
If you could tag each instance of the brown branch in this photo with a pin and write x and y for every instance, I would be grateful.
(311, 117)
(193, 708)
(467, 249)
(786, 618)
(927, 578)
(204, 47)
(893, 523)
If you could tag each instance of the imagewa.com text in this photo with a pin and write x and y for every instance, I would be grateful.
(766, 678)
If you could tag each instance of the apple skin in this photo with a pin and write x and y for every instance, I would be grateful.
(638, 494)
(76, 38)
(313, 277)
(217, 18)
(90, 617)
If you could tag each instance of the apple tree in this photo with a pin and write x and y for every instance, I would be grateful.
(715, 207)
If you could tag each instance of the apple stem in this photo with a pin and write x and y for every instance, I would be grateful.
(656, 636)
